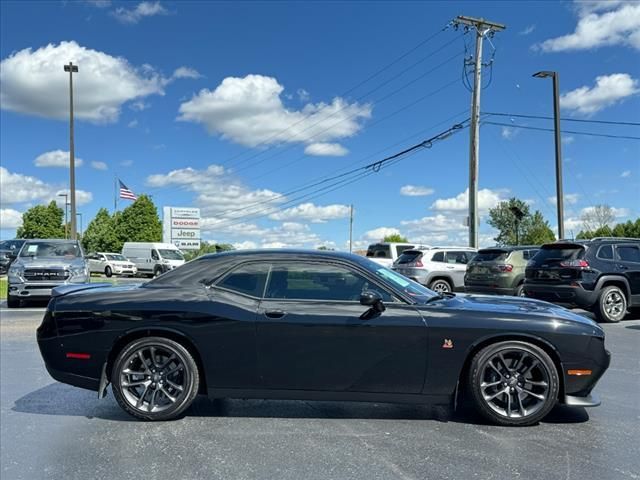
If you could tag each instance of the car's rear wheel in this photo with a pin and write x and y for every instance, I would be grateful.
(440, 286)
(13, 302)
(513, 383)
(155, 378)
(108, 272)
(612, 304)
(520, 291)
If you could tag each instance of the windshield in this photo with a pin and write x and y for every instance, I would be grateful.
(51, 250)
(414, 289)
(11, 245)
(171, 254)
(116, 256)
(554, 254)
(409, 256)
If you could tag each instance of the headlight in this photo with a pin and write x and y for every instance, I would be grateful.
(166, 262)
(16, 271)
(79, 271)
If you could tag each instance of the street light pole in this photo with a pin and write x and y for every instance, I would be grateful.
(80, 215)
(71, 68)
(558, 145)
(66, 202)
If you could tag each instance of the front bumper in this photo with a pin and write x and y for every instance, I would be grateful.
(125, 271)
(36, 289)
(590, 400)
(567, 295)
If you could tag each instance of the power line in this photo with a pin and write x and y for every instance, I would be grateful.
(591, 134)
(542, 117)
(347, 178)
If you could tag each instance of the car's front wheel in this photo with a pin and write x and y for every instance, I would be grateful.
(513, 383)
(108, 272)
(155, 378)
(13, 302)
(612, 304)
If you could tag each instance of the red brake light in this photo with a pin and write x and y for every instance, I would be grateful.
(419, 263)
(503, 268)
(575, 263)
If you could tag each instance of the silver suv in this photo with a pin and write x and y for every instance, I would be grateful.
(42, 265)
(441, 269)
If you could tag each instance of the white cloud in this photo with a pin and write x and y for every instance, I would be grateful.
(568, 139)
(527, 30)
(625, 174)
(16, 188)
(617, 212)
(378, 234)
(186, 72)
(569, 199)
(303, 95)
(600, 24)
(133, 123)
(609, 90)
(10, 218)
(56, 158)
(249, 111)
(326, 149)
(34, 83)
(486, 199)
(437, 229)
(415, 191)
(246, 245)
(99, 3)
(99, 165)
(126, 163)
(312, 213)
(287, 234)
(508, 133)
(143, 9)
(139, 106)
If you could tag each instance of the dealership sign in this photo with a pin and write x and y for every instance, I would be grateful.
(181, 226)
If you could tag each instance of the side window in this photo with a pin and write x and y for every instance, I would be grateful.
(459, 258)
(605, 252)
(318, 282)
(628, 253)
(529, 254)
(154, 255)
(438, 257)
(247, 279)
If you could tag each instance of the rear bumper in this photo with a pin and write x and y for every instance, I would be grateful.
(88, 383)
(567, 295)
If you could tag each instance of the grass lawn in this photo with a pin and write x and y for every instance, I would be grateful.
(3, 288)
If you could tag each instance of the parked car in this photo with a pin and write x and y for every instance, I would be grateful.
(153, 258)
(498, 270)
(385, 253)
(313, 325)
(8, 252)
(602, 275)
(111, 264)
(42, 265)
(441, 269)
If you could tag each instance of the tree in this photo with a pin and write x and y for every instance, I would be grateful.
(630, 229)
(101, 235)
(395, 238)
(207, 247)
(598, 218)
(42, 221)
(532, 229)
(139, 222)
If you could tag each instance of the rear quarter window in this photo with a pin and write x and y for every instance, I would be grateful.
(605, 252)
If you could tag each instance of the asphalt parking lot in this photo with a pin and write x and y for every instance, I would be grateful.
(51, 430)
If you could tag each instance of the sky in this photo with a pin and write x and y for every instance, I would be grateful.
(251, 111)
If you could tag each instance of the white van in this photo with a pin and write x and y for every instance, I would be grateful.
(153, 258)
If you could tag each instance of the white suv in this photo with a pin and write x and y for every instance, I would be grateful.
(111, 264)
(441, 269)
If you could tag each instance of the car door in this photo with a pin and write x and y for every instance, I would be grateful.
(457, 267)
(311, 334)
(628, 264)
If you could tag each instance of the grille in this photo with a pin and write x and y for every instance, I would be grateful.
(45, 274)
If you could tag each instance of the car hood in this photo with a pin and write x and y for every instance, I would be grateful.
(60, 262)
(515, 306)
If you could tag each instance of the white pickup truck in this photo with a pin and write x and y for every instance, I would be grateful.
(385, 253)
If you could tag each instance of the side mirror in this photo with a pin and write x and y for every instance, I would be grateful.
(372, 299)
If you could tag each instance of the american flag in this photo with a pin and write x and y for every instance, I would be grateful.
(126, 193)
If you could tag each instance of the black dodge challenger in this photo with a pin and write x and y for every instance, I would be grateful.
(318, 326)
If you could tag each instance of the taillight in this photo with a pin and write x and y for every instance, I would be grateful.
(575, 263)
(419, 263)
(503, 268)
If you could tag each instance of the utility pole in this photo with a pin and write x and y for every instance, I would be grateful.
(351, 229)
(66, 202)
(71, 68)
(556, 122)
(482, 28)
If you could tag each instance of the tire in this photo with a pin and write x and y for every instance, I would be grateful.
(13, 302)
(520, 291)
(508, 393)
(440, 285)
(157, 271)
(108, 272)
(611, 306)
(156, 383)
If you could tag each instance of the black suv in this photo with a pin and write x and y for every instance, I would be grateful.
(602, 275)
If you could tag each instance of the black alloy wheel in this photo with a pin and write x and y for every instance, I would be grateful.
(155, 378)
(612, 304)
(513, 383)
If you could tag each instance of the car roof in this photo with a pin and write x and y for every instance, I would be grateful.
(50, 240)
(288, 252)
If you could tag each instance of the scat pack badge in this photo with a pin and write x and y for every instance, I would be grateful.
(448, 343)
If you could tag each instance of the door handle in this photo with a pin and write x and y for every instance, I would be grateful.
(274, 313)
(623, 267)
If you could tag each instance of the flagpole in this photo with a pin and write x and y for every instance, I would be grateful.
(115, 193)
